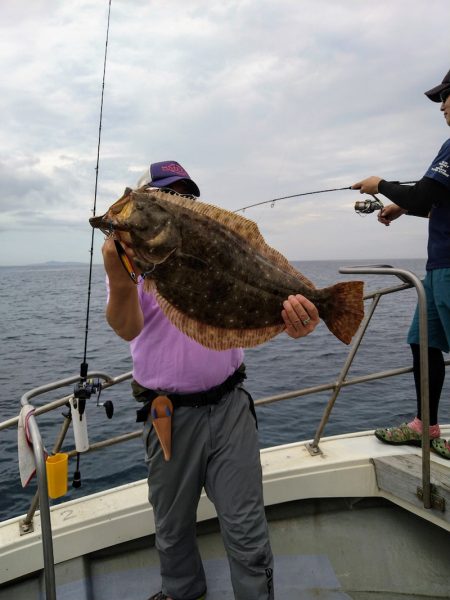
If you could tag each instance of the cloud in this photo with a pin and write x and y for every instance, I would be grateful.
(256, 99)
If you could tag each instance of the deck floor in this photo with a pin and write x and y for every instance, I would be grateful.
(335, 549)
(305, 577)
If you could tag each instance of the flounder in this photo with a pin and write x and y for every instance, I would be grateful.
(214, 276)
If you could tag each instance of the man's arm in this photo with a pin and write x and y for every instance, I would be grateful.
(123, 311)
(416, 200)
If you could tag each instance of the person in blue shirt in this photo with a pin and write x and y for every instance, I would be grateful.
(429, 197)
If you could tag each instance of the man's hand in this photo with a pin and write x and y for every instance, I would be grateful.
(123, 311)
(368, 185)
(389, 213)
(300, 316)
(113, 265)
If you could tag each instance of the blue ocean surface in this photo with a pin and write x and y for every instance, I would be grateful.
(43, 335)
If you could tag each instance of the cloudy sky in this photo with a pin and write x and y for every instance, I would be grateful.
(256, 98)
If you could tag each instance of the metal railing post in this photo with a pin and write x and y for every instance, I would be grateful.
(314, 446)
(44, 507)
(28, 520)
(41, 476)
(407, 276)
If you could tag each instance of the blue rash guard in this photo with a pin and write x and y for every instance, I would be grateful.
(439, 223)
(429, 197)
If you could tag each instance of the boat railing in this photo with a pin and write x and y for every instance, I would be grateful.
(409, 280)
(41, 497)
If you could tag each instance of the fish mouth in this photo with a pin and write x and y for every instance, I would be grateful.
(107, 226)
(99, 223)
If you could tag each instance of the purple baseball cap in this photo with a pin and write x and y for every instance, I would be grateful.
(435, 93)
(163, 174)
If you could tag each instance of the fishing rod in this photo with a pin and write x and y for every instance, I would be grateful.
(362, 206)
(85, 388)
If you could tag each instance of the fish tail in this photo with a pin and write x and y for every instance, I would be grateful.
(343, 309)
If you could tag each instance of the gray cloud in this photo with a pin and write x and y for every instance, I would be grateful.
(258, 99)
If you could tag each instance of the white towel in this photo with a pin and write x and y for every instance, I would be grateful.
(27, 466)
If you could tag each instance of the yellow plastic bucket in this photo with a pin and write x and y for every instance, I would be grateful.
(57, 467)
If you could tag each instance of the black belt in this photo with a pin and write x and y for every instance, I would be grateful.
(195, 400)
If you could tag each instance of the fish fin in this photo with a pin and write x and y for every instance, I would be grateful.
(215, 338)
(241, 226)
(344, 309)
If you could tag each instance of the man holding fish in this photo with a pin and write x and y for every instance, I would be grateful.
(200, 424)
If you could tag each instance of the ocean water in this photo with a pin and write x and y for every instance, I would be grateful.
(43, 329)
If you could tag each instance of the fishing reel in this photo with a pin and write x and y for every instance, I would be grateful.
(368, 206)
(84, 390)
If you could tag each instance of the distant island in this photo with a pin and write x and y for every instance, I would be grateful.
(56, 264)
(59, 263)
(49, 264)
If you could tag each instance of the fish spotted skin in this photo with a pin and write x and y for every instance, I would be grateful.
(213, 274)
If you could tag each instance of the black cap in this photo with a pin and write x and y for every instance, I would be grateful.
(435, 93)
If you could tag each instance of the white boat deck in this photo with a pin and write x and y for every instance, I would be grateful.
(345, 469)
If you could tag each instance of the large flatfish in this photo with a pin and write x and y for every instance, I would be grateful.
(213, 274)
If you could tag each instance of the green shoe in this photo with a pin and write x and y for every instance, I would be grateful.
(441, 447)
(399, 435)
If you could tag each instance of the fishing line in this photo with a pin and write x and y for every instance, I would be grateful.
(272, 202)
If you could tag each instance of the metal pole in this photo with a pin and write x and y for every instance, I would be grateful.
(424, 395)
(41, 475)
(314, 446)
(424, 374)
(46, 526)
(25, 524)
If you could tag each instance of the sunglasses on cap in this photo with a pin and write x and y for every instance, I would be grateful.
(444, 95)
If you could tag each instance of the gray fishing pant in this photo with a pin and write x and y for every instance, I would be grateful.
(215, 447)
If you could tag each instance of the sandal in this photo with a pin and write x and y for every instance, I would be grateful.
(399, 435)
(441, 447)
